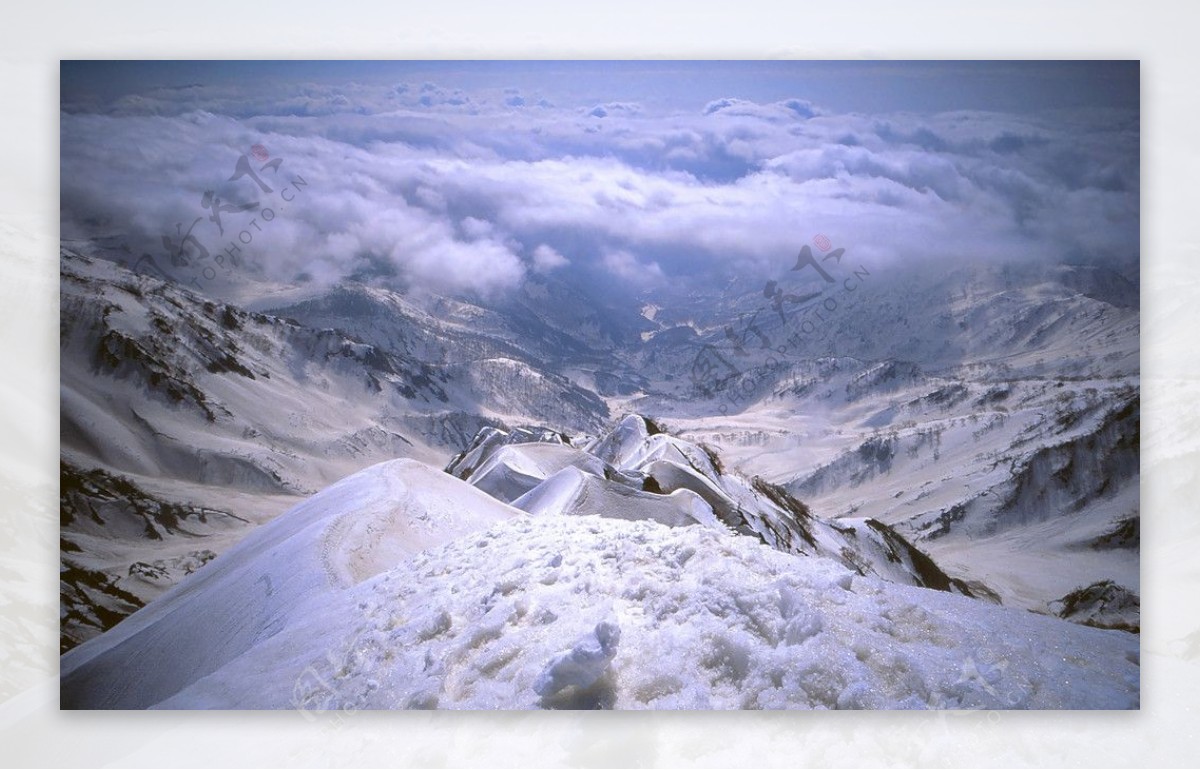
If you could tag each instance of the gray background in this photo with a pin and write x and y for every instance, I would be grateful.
(1160, 34)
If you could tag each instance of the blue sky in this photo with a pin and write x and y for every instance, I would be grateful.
(474, 176)
(1012, 86)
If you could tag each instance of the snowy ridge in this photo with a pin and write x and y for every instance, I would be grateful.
(307, 557)
(511, 472)
(638, 471)
(574, 492)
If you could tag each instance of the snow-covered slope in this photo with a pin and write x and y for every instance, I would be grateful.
(1010, 320)
(989, 413)
(1017, 483)
(197, 420)
(280, 574)
(402, 587)
(509, 356)
(163, 383)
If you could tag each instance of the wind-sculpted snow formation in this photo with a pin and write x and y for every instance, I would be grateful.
(634, 573)
(639, 471)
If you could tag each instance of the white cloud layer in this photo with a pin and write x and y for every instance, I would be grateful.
(465, 191)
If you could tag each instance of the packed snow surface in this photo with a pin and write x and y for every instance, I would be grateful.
(590, 612)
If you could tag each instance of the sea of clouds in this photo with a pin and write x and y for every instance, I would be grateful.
(476, 190)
